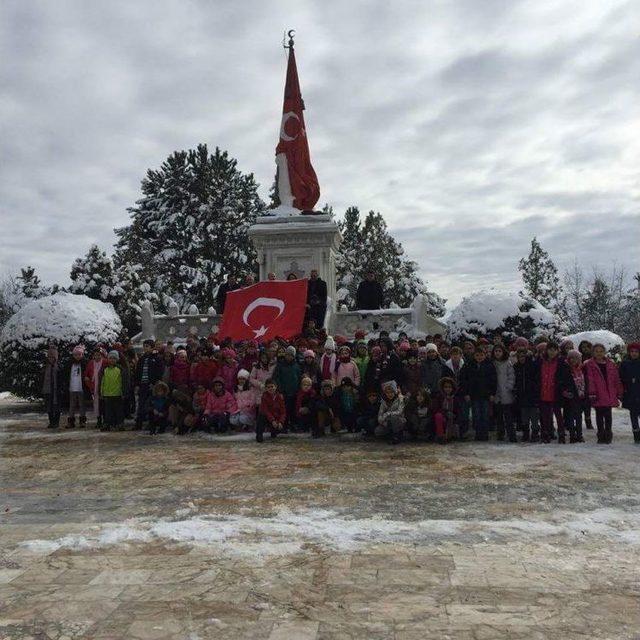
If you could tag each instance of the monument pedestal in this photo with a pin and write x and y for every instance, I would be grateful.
(297, 244)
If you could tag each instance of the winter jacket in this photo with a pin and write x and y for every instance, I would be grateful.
(568, 389)
(83, 375)
(455, 370)
(51, 381)
(155, 368)
(180, 373)
(203, 373)
(92, 373)
(246, 401)
(311, 371)
(305, 399)
(228, 373)
(432, 371)
(112, 382)
(604, 391)
(224, 403)
(391, 409)
(551, 371)
(412, 375)
(630, 378)
(479, 380)
(287, 377)
(327, 367)
(317, 292)
(369, 295)
(527, 383)
(272, 407)
(347, 370)
(362, 363)
(259, 376)
(506, 381)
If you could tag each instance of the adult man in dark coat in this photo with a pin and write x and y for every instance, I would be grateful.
(225, 287)
(316, 299)
(369, 294)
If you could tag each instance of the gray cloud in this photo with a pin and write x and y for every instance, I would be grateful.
(471, 126)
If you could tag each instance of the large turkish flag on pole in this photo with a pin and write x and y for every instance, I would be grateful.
(265, 310)
(297, 181)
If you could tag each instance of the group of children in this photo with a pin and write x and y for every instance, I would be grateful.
(408, 389)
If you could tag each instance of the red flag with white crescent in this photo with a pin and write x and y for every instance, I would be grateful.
(265, 310)
(297, 181)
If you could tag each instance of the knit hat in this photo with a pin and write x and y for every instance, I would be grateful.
(431, 347)
(329, 343)
(390, 384)
(243, 373)
(291, 350)
(633, 346)
(309, 353)
(228, 353)
(340, 340)
(78, 350)
(574, 353)
(565, 342)
(360, 334)
(520, 343)
(115, 355)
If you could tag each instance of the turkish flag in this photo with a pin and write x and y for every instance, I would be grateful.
(297, 181)
(265, 310)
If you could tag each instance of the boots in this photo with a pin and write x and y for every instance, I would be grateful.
(83, 422)
(71, 422)
(99, 422)
(636, 436)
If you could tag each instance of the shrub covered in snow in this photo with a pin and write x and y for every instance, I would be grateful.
(612, 342)
(64, 319)
(510, 314)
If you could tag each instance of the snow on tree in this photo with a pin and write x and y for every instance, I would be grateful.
(509, 314)
(137, 291)
(189, 229)
(16, 291)
(540, 276)
(612, 342)
(94, 276)
(368, 246)
(64, 319)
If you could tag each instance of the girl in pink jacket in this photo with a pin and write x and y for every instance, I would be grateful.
(346, 368)
(220, 406)
(246, 401)
(605, 390)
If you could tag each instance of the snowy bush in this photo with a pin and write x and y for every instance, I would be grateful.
(64, 319)
(612, 342)
(509, 314)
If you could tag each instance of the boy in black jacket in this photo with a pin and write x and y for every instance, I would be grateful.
(149, 370)
(479, 382)
(527, 393)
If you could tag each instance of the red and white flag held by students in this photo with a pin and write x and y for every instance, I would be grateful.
(297, 181)
(265, 310)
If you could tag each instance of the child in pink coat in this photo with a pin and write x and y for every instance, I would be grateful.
(346, 368)
(605, 390)
(220, 406)
(246, 401)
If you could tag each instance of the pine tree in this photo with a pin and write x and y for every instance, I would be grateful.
(631, 316)
(94, 276)
(368, 247)
(540, 276)
(29, 284)
(189, 229)
(136, 291)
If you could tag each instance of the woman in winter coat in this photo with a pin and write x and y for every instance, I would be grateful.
(605, 390)
(504, 398)
(630, 377)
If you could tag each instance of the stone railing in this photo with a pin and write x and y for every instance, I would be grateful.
(178, 327)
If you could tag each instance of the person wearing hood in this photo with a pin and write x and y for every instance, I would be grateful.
(220, 406)
(246, 401)
(346, 368)
(434, 369)
(391, 418)
(51, 386)
(74, 377)
(328, 360)
(630, 378)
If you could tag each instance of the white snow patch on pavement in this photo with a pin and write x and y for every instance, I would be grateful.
(287, 532)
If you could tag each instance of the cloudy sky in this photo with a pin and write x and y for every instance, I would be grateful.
(471, 125)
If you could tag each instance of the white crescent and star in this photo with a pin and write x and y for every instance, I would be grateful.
(262, 302)
(285, 118)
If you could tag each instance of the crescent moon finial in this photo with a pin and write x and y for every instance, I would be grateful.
(290, 34)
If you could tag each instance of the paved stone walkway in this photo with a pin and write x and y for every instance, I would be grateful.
(127, 536)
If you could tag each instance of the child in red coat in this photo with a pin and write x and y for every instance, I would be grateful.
(272, 413)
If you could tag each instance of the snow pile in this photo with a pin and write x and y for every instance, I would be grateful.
(611, 341)
(65, 319)
(510, 314)
(288, 532)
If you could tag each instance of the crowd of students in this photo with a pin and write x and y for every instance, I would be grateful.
(408, 389)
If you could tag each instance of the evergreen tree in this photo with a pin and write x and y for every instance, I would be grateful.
(540, 276)
(94, 276)
(137, 291)
(631, 316)
(274, 197)
(29, 285)
(189, 229)
(368, 247)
